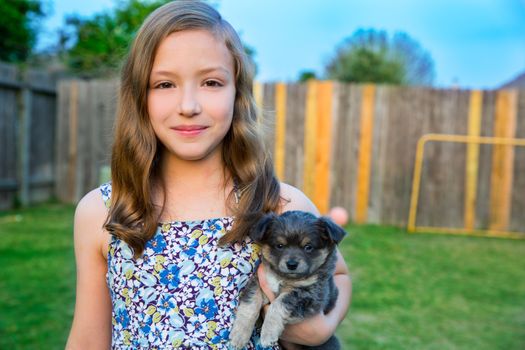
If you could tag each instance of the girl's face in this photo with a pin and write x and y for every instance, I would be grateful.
(191, 94)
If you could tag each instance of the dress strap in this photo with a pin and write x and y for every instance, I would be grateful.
(105, 189)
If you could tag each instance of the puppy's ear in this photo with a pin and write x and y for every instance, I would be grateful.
(331, 230)
(259, 230)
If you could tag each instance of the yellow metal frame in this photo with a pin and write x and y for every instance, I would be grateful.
(416, 182)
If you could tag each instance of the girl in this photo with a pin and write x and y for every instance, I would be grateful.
(165, 265)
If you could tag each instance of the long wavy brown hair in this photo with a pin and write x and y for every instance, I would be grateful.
(133, 217)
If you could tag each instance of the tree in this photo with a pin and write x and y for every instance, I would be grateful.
(306, 75)
(18, 28)
(96, 46)
(371, 56)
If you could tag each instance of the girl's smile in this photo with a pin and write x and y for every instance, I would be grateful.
(190, 130)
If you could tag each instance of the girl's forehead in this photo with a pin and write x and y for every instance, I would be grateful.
(191, 48)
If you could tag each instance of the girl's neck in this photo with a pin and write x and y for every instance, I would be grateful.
(203, 186)
(208, 172)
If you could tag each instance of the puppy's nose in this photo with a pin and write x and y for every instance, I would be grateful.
(292, 264)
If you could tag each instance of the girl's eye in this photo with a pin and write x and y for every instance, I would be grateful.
(308, 248)
(279, 246)
(212, 83)
(164, 85)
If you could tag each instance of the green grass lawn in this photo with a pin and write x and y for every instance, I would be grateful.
(410, 291)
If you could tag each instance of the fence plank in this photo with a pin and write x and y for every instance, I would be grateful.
(517, 219)
(280, 130)
(323, 149)
(73, 141)
(268, 116)
(485, 161)
(503, 161)
(310, 139)
(365, 152)
(345, 147)
(379, 146)
(294, 140)
(472, 166)
(8, 143)
(42, 147)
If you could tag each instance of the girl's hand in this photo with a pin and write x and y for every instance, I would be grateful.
(302, 331)
(263, 283)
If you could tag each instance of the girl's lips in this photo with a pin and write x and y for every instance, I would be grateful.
(189, 130)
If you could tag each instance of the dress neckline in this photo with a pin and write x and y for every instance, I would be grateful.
(194, 221)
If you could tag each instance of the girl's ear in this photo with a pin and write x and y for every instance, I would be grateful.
(330, 230)
(259, 230)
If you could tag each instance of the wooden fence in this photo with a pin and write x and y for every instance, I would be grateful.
(85, 116)
(349, 145)
(27, 136)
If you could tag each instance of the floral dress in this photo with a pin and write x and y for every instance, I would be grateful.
(183, 292)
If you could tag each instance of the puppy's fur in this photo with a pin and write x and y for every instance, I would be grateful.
(299, 256)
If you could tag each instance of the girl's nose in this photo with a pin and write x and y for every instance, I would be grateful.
(189, 104)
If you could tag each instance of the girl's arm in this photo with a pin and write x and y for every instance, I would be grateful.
(91, 327)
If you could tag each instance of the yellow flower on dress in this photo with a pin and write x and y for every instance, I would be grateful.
(196, 234)
(151, 310)
(127, 337)
(188, 312)
(156, 317)
(203, 240)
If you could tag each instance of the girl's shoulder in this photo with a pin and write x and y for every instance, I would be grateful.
(295, 199)
(95, 202)
(90, 215)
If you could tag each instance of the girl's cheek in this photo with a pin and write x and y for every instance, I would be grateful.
(159, 104)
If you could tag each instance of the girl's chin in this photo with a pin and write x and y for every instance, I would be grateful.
(191, 155)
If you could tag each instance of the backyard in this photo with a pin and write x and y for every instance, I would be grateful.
(410, 291)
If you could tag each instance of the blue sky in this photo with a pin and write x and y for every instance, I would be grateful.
(474, 43)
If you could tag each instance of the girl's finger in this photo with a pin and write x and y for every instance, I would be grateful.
(263, 283)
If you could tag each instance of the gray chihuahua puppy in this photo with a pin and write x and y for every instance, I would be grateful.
(299, 256)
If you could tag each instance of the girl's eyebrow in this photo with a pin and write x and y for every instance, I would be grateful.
(200, 71)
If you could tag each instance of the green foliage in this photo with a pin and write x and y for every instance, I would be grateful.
(18, 28)
(101, 42)
(409, 291)
(371, 56)
(306, 75)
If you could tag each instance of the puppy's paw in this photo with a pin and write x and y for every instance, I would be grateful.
(240, 335)
(269, 336)
(239, 341)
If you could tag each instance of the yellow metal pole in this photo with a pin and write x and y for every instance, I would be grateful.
(417, 180)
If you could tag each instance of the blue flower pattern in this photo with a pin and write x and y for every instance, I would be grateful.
(183, 292)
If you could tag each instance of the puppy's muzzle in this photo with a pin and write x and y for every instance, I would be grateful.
(292, 265)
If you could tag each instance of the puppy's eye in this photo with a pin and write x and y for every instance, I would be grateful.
(279, 246)
(308, 248)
